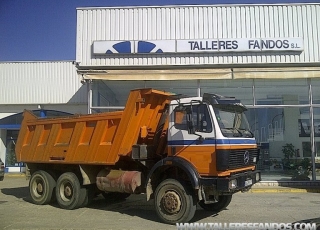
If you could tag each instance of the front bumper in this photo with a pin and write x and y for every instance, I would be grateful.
(233, 183)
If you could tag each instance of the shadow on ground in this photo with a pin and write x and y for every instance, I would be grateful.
(20, 193)
(135, 205)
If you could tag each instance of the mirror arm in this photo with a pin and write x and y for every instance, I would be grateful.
(201, 139)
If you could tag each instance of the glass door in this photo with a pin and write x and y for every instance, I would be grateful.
(12, 136)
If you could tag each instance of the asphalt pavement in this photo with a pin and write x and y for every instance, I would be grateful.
(18, 212)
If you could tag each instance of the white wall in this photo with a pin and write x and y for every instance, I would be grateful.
(7, 110)
(40, 83)
(198, 22)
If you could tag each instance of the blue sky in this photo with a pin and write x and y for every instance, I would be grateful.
(45, 30)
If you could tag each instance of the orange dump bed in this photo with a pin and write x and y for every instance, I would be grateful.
(96, 138)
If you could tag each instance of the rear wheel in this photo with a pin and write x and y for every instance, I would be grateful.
(41, 187)
(68, 191)
(221, 204)
(174, 202)
(87, 194)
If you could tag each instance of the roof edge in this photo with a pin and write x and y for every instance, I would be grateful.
(195, 5)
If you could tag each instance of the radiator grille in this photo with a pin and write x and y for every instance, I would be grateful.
(237, 158)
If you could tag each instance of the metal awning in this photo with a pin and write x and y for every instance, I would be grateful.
(276, 73)
(202, 73)
(167, 75)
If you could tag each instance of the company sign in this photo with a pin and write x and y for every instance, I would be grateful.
(198, 46)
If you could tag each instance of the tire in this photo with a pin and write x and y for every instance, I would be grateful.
(115, 196)
(222, 203)
(68, 191)
(174, 202)
(86, 195)
(41, 186)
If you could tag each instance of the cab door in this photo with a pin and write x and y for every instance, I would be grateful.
(191, 136)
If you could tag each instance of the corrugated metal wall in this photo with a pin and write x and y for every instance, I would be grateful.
(199, 22)
(40, 83)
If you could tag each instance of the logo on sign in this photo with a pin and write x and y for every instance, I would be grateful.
(120, 48)
(132, 47)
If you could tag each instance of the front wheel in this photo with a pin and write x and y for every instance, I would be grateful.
(68, 191)
(174, 202)
(221, 204)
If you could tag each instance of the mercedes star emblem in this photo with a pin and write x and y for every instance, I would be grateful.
(246, 157)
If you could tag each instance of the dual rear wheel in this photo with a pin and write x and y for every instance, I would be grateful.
(66, 190)
(41, 187)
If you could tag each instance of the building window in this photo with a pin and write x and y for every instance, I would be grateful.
(12, 136)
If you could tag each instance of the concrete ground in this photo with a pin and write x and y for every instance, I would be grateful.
(18, 212)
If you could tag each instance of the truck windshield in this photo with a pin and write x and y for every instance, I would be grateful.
(233, 124)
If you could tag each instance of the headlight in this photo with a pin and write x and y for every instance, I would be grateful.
(233, 184)
(254, 159)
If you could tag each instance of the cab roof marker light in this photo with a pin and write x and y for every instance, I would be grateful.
(224, 103)
(217, 99)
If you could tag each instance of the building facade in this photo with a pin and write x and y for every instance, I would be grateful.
(47, 88)
(266, 55)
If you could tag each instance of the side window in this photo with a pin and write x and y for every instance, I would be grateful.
(180, 120)
(200, 116)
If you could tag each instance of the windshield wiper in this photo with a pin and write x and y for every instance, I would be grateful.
(238, 134)
(246, 132)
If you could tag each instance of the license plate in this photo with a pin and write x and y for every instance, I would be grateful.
(248, 182)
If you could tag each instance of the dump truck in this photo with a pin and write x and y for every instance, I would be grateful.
(179, 151)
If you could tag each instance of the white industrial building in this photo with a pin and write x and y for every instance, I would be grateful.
(48, 88)
(266, 55)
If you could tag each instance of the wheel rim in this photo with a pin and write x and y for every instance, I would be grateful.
(171, 202)
(38, 187)
(66, 191)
